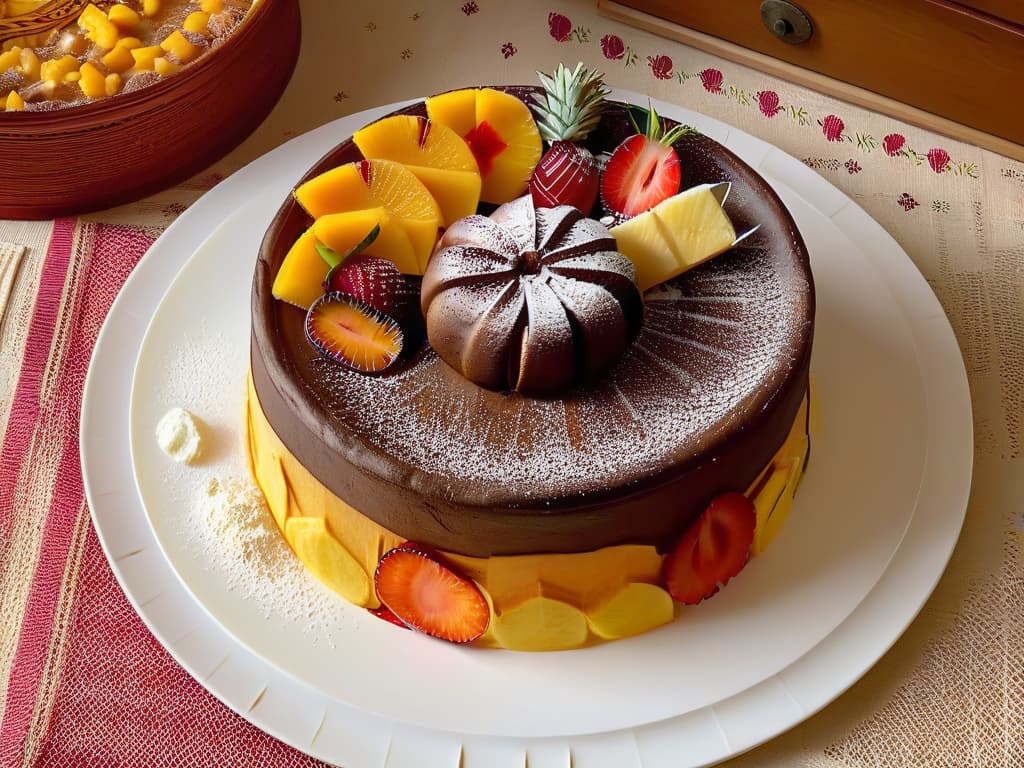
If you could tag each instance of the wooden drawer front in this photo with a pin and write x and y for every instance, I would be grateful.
(939, 56)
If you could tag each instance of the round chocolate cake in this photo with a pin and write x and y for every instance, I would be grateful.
(711, 383)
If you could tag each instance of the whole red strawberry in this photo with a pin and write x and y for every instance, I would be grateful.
(643, 170)
(567, 111)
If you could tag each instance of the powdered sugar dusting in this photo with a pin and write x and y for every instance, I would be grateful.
(710, 341)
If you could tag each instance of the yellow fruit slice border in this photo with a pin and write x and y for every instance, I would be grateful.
(538, 602)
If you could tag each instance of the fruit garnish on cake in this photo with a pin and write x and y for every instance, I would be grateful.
(567, 111)
(428, 596)
(530, 299)
(643, 170)
(501, 133)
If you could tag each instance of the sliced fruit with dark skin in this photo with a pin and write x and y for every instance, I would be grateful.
(712, 550)
(429, 596)
(643, 170)
(376, 282)
(353, 333)
(333, 258)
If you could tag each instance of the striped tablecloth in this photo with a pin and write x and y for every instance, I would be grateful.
(82, 682)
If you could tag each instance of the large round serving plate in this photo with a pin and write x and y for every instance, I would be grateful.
(871, 531)
(110, 151)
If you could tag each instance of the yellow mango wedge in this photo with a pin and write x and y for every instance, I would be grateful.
(636, 608)
(330, 562)
(540, 623)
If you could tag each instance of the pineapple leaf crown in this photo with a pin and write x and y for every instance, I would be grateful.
(655, 131)
(571, 104)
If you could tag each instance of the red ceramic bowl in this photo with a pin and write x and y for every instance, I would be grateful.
(115, 150)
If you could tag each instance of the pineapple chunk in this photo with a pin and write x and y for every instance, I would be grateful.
(10, 58)
(118, 59)
(180, 46)
(98, 28)
(150, 8)
(29, 64)
(93, 82)
(112, 84)
(14, 102)
(123, 17)
(144, 56)
(164, 66)
(678, 233)
(56, 70)
(211, 6)
(196, 22)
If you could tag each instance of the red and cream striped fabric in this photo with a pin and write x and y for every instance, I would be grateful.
(82, 681)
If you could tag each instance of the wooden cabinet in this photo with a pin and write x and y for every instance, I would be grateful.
(961, 61)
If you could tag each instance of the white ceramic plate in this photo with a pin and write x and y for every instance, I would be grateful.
(875, 520)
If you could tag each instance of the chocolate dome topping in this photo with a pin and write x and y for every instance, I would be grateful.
(534, 300)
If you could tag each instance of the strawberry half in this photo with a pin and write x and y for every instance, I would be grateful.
(374, 281)
(643, 170)
(713, 550)
(353, 333)
(429, 596)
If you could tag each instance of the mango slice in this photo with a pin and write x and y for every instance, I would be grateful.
(299, 281)
(635, 609)
(456, 109)
(341, 232)
(677, 234)
(435, 153)
(501, 134)
(540, 624)
(378, 184)
(330, 562)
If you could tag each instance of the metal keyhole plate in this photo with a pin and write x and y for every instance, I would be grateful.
(788, 22)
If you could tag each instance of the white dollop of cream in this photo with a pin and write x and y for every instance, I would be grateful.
(177, 434)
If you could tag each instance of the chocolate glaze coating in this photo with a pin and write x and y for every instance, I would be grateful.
(532, 300)
(696, 407)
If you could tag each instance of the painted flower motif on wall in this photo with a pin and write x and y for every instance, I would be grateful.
(832, 127)
(906, 202)
(559, 26)
(768, 103)
(938, 159)
(661, 66)
(893, 143)
(712, 80)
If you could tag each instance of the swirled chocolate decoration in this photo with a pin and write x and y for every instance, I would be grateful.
(533, 300)
(696, 406)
